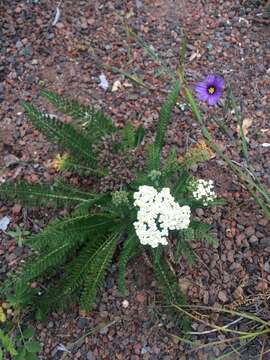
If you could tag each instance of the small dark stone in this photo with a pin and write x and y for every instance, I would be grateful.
(109, 283)
(19, 44)
(90, 356)
(249, 231)
(83, 323)
(18, 251)
(265, 242)
(104, 330)
(253, 240)
(28, 51)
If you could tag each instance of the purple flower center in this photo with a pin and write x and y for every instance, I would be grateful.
(211, 90)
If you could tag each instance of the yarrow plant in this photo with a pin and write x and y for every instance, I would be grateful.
(149, 214)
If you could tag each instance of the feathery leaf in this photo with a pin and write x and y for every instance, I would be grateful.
(202, 232)
(95, 277)
(165, 115)
(95, 122)
(153, 157)
(76, 271)
(168, 284)
(65, 135)
(72, 229)
(42, 194)
(128, 136)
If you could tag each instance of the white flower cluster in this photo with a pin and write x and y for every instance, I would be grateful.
(158, 213)
(204, 190)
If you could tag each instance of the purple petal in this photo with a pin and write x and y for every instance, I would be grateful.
(210, 79)
(202, 97)
(201, 90)
(219, 80)
(201, 86)
(213, 99)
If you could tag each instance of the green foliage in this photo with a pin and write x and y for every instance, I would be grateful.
(59, 241)
(139, 135)
(196, 231)
(78, 269)
(128, 136)
(167, 282)
(18, 234)
(68, 163)
(153, 158)
(154, 150)
(71, 230)
(62, 134)
(202, 232)
(100, 125)
(95, 123)
(69, 107)
(21, 297)
(28, 348)
(56, 195)
(183, 246)
(181, 187)
(7, 344)
(131, 137)
(165, 115)
(168, 285)
(97, 271)
(170, 166)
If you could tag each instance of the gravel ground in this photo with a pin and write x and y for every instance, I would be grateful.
(230, 38)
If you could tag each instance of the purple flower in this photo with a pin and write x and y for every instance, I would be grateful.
(210, 89)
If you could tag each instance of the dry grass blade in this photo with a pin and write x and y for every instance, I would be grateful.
(260, 328)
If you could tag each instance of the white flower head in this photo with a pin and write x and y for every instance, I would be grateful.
(158, 213)
(204, 190)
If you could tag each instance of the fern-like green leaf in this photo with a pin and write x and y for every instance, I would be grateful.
(165, 115)
(139, 135)
(37, 266)
(100, 126)
(180, 189)
(131, 248)
(69, 107)
(167, 283)
(169, 287)
(183, 247)
(202, 232)
(153, 158)
(72, 230)
(170, 166)
(128, 136)
(42, 195)
(72, 165)
(58, 296)
(94, 122)
(95, 277)
(60, 239)
(65, 135)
